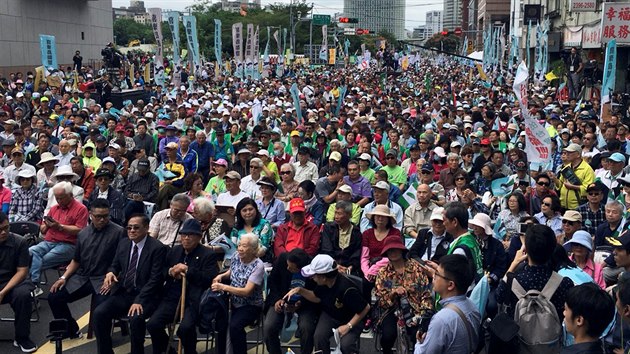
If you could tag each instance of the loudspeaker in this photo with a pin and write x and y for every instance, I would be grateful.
(117, 98)
(532, 13)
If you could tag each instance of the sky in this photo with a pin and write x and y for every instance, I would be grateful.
(414, 14)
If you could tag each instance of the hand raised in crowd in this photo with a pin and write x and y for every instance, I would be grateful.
(521, 256)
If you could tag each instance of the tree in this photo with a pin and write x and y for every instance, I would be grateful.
(447, 43)
(126, 30)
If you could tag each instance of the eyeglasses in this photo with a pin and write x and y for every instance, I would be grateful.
(254, 167)
(543, 184)
(285, 172)
(425, 172)
(101, 216)
(133, 227)
(568, 222)
(442, 276)
(547, 204)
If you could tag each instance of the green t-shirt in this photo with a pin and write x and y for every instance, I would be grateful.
(369, 175)
(215, 186)
(396, 175)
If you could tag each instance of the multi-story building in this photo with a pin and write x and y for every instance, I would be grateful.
(143, 18)
(420, 32)
(452, 14)
(236, 5)
(433, 23)
(84, 25)
(378, 15)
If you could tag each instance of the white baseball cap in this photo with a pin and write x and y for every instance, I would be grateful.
(321, 264)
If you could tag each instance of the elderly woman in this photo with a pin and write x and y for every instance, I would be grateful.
(245, 277)
(271, 208)
(250, 221)
(400, 285)
(550, 214)
(314, 207)
(48, 168)
(288, 185)
(26, 203)
(461, 184)
(114, 197)
(483, 183)
(581, 248)
(373, 240)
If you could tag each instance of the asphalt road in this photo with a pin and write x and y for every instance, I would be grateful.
(80, 310)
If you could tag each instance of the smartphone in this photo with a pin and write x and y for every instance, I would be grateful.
(522, 227)
(49, 219)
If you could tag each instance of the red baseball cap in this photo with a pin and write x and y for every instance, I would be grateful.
(485, 141)
(296, 205)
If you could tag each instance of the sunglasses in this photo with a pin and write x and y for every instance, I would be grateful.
(547, 204)
(543, 184)
(460, 179)
(426, 172)
(391, 158)
(594, 194)
(285, 172)
(133, 227)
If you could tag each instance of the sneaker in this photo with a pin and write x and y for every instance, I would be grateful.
(76, 335)
(26, 345)
(38, 291)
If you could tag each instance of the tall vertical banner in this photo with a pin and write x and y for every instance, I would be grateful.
(237, 46)
(295, 94)
(249, 49)
(256, 54)
(218, 44)
(527, 42)
(545, 48)
(48, 50)
(537, 139)
(156, 24)
(537, 52)
(173, 24)
(266, 63)
(190, 23)
(608, 85)
(279, 69)
(323, 52)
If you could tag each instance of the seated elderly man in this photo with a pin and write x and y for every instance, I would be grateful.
(166, 223)
(105, 191)
(417, 216)
(60, 229)
(142, 186)
(64, 174)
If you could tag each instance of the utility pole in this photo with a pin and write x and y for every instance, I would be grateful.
(290, 25)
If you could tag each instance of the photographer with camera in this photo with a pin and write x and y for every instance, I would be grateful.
(575, 176)
(455, 328)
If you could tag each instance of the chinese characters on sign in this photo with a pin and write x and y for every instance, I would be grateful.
(156, 24)
(591, 37)
(615, 22)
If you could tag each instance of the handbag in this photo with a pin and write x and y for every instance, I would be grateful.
(503, 334)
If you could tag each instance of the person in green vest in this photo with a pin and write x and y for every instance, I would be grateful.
(464, 242)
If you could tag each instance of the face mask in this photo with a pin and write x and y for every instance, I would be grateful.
(277, 152)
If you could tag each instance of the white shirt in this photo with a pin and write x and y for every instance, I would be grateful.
(250, 186)
(226, 199)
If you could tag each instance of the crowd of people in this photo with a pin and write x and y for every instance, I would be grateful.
(363, 202)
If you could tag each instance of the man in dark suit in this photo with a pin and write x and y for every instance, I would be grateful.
(199, 266)
(85, 273)
(134, 280)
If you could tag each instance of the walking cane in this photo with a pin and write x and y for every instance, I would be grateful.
(179, 313)
(182, 308)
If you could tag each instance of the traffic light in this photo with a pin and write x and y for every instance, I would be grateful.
(362, 31)
(348, 20)
(445, 33)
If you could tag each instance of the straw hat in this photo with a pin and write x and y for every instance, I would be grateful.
(382, 210)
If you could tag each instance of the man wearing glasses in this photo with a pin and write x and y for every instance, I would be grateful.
(84, 275)
(542, 191)
(166, 223)
(593, 212)
(133, 280)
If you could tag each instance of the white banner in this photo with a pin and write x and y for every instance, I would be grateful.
(592, 36)
(237, 41)
(248, 42)
(156, 24)
(537, 139)
(615, 18)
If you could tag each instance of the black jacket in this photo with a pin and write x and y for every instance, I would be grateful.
(116, 203)
(494, 259)
(423, 245)
(351, 255)
(279, 282)
(202, 268)
(149, 272)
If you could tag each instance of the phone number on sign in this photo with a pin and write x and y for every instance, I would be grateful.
(584, 5)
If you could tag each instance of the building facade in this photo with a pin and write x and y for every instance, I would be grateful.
(235, 5)
(452, 14)
(378, 15)
(84, 25)
(434, 22)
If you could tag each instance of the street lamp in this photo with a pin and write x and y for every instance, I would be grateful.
(299, 18)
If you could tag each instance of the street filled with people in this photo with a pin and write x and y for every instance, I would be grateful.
(318, 204)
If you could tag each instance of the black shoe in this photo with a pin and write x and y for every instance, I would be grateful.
(26, 345)
(75, 335)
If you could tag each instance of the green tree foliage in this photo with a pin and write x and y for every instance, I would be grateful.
(126, 30)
